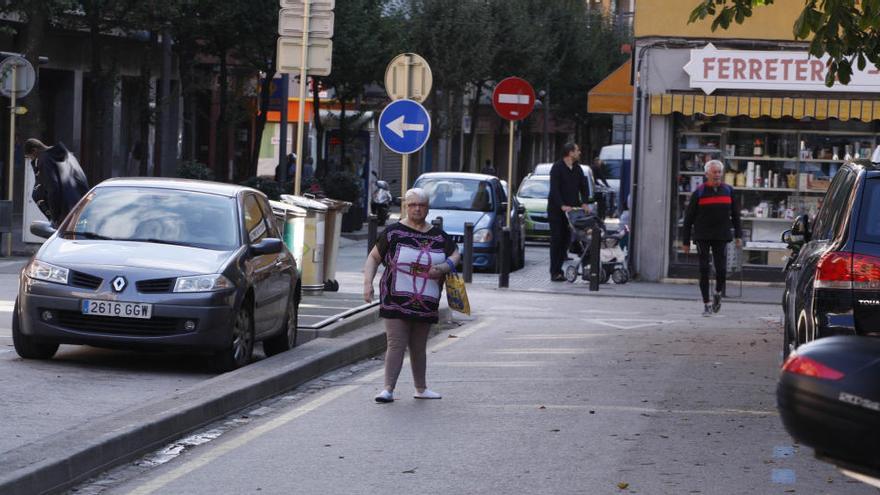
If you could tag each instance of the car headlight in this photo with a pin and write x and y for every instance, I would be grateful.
(202, 283)
(483, 235)
(40, 270)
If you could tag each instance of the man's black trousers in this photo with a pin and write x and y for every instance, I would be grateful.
(719, 258)
(560, 238)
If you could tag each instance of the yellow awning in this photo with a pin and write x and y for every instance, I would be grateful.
(614, 94)
(755, 106)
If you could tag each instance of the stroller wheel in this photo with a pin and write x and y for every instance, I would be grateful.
(571, 273)
(604, 275)
(620, 276)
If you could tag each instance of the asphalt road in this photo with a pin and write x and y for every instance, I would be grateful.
(557, 395)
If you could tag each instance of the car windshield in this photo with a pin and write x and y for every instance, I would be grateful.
(163, 216)
(457, 194)
(534, 188)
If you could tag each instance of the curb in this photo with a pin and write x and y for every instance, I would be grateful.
(63, 460)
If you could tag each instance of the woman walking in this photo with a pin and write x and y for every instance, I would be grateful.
(417, 256)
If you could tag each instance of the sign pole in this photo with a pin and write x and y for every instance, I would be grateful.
(404, 160)
(509, 175)
(11, 151)
(302, 91)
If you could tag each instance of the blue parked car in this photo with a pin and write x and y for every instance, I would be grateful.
(461, 197)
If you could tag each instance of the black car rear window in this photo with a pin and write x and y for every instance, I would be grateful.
(869, 216)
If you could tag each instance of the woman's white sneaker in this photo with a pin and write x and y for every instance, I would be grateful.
(384, 396)
(427, 394)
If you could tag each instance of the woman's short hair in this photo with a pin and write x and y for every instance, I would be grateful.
(416, 193)
(713, 163)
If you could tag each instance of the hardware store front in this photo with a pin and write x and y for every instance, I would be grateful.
(779, 147)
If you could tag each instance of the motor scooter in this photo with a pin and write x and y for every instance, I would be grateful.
(380, 203)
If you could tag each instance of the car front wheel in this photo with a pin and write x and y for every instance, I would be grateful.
(25, 346)
(286, 338)
(240, 350)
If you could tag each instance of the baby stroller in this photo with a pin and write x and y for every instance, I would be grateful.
(612, 259)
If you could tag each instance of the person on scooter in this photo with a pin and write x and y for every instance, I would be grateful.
(712, 212)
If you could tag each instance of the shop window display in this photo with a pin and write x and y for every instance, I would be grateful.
(777, 174)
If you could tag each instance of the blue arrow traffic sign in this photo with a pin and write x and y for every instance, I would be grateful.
(404, 126)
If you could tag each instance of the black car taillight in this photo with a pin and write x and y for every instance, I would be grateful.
(802, 365)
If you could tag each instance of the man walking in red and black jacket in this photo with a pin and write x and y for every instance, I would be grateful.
(712, 212)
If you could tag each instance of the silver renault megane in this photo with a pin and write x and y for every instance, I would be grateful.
(161, 263)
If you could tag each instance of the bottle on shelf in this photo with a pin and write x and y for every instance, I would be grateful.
(750, 174)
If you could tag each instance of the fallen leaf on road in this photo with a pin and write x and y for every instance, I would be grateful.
(410, 471)
(623, 485)
(555, 430)
(543, 407)
(453, 336)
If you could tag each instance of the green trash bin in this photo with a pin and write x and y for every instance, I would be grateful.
(291, 222)
(312, 240)
(332, 236)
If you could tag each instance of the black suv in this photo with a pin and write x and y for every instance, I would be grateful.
(832, 281)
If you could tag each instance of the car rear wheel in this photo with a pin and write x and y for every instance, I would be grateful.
(286, 339)
(24, 345)
(241, 349)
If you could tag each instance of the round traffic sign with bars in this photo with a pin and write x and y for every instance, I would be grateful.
(513, 98)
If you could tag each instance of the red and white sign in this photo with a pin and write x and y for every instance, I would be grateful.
(513, 98)
(710, 69)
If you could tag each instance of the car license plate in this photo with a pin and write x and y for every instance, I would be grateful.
(117, 308)
(541, 226)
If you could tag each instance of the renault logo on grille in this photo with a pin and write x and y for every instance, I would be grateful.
(118, 284)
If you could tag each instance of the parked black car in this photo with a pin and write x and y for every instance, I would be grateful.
(832, 280)
(829, 400)
(161, 263)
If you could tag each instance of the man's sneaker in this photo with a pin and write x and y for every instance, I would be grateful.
(716, 302)
(707, 311)
(384, 397)
(427, 394)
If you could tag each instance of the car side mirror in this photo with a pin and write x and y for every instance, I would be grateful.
(520, 210)
(42, 229)
(794, 241)
(269, 245)
(801, 227)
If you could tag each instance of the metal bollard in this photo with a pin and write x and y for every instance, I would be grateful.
(595, 245)
(467, 262)
(503, 260)
(371, 233)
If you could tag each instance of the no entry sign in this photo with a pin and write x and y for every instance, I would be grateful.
(513, 98)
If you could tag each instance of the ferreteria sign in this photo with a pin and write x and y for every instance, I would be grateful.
(710, 68)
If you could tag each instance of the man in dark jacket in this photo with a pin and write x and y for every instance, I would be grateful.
(712, 212)
(59, 180)
(568, 190)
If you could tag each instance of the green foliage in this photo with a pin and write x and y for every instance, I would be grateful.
(848, 31)
(272, 189)
(194, 170)
(344, 186)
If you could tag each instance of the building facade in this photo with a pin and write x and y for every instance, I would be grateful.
(753, 98)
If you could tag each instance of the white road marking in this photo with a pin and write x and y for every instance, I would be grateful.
(619, 323)
(224, 448)
(539, 351)
(561, 336)
(646, 410)
(490, 364)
